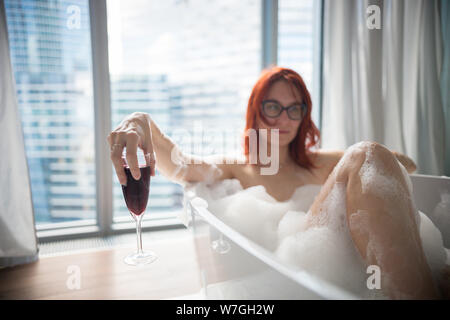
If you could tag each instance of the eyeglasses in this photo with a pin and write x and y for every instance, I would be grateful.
(273, 109)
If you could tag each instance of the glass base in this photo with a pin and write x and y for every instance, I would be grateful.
(221, 246)
(139, 259)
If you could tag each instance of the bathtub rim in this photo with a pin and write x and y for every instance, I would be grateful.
(318, 286)
(429, 176)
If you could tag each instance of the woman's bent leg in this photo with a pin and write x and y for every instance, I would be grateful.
(381, 219)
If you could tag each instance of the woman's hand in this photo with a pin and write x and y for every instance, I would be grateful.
(139, 130)
(406, 161)
(133, 132)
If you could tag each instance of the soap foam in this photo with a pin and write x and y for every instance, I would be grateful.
(379, 181)
(206, 171)
(325, 250)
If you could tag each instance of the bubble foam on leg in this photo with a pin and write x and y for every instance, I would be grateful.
(388, 229)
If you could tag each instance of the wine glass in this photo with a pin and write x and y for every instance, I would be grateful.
(136, 197)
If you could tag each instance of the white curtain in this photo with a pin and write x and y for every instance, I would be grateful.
(445, 78)
(17, 231)
(384, 84)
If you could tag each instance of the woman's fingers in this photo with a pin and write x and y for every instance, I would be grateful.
(412, 165)
(132, 141)
(408, 163)
(116, 157)
(151, 161)
(146, 142)
(150, 158)
(133, 133)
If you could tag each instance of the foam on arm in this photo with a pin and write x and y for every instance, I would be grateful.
(181, 167)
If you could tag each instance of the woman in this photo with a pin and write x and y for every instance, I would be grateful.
(280, 100)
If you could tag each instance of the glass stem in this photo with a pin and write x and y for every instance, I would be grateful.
(139, 233)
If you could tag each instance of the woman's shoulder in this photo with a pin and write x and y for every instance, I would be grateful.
(325, 158)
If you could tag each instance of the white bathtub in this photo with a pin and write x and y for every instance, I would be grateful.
(242, 269)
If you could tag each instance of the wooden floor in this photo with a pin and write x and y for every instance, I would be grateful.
(104, 275)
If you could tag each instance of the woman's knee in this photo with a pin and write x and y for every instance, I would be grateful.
(353, 159)
(371, 149)
(365, 153)
(376, 174)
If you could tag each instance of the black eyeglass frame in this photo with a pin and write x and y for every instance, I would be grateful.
(303, 107)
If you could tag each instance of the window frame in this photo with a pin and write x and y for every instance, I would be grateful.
(105, 224)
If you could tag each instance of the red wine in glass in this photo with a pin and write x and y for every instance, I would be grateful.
(136, 191)
(136, 194)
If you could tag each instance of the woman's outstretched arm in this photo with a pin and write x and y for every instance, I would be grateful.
(140, 130)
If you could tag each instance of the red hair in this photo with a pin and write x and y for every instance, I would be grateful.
(307, 135)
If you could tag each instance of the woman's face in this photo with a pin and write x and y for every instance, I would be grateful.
(286, 96)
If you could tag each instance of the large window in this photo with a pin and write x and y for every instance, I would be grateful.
(189, 63)
(51, 59)
(299, 43)
(186, 63)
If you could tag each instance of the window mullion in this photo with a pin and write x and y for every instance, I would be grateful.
(318, 59)
(269, 30)
(102, 106)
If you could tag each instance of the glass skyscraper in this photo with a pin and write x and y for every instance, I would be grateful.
(51, 58)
